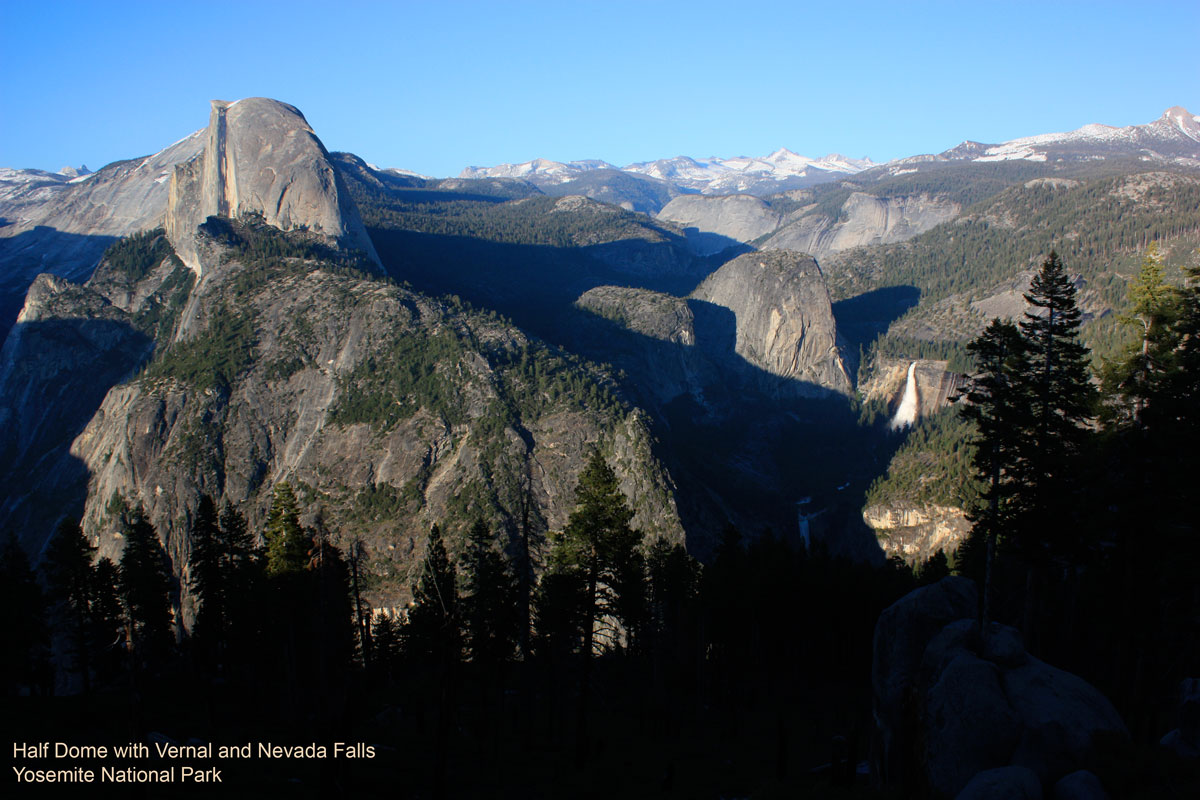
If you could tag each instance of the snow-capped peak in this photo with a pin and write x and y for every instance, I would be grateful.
(539, 170)
(1187, 122)
(1175, 133)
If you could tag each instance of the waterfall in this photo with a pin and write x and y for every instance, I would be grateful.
(906, 414)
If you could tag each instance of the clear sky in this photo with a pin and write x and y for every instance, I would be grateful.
(437, 86)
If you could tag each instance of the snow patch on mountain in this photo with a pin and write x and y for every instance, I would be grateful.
(1175, 133)
(709, 175)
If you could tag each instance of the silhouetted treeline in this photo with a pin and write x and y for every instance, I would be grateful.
(1084, 533)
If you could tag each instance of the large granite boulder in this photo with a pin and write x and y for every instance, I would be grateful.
(1080, 785)
(1184, 741)
(901, 635)
(960, 689)
(1002, 783)
(951, 704)
(1061, 715)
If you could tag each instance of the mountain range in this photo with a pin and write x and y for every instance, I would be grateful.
(245, 307)
(1174, 137)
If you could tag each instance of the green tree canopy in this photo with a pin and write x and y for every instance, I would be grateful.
(287, 543)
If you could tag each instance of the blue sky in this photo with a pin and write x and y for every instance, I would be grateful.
(435, 87)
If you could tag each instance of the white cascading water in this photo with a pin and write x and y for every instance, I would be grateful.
(906, 414)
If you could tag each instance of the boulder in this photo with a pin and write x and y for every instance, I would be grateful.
(901, 635)
(1184, 741)
(1002, 783)
(1080, 785)
(960, 705)
(957, 745)
(1061, 714)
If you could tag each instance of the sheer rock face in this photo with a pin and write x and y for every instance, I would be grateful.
(62, 226)
(783, 318)
(936, 385)
(69, 345)
(652, 337)
(865, 220)
(916, 532)
(714, 223)
(261, 158)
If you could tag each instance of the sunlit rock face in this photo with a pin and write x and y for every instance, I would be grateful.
(783, 318)
(261, 158)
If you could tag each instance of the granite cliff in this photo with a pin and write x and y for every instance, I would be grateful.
(266, 348)
(61, 225)
(783, 320)
(863, 219)
(262, 158)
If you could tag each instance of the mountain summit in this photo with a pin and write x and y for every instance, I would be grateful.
(780, 171)
(1174, 135)
(261, 158)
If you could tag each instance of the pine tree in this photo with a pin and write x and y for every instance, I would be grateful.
(242, 580)
(998, 402)
(1062, 401)
(145, 580)
(25, 658)
(430, 633)
(68, 570)
(287, 543)
(600, 545)
(385, 640)
(333, 623)
(106, 619)
(674, 581)
(1153, 307)
(430, 637)
(208, 578)
(489, 602)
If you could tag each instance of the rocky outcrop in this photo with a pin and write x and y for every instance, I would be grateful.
(901, 635)
(310, 403)
(653, 314)
(653, 338)
(68, 347)
(864, 220)
(62, 227)
(959, 704)
(916, 533)
(261, 158)
(783, 319)
(715, 223)
(1080, 785)
(1003, 783)
(1184, 741)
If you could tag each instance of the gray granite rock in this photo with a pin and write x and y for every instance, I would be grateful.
(901, 635)
(783, 317)
(1080, 785)
(261, 158)
(1002, 783)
